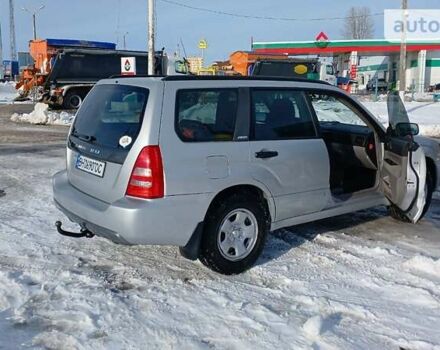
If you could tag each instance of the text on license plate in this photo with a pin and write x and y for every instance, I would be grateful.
(90, 166)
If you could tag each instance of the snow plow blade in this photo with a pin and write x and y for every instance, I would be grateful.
(83, 232)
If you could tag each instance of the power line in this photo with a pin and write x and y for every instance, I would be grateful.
(268, 18)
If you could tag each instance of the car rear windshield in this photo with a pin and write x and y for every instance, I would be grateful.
(111, 113)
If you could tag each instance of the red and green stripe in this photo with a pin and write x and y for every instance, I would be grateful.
(304, 47)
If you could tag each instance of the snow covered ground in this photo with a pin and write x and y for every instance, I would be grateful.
(358, 281)
(7, 92)
(426, 114)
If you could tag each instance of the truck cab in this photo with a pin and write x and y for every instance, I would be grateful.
(327, 73)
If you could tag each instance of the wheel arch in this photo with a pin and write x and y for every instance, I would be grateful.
(191, 249)
(249, 189)
(80, 87)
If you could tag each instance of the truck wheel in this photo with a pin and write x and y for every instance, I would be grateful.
(397, 214)
(234, 234)
(73, 99)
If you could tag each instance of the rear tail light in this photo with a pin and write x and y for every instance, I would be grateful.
(146, 180)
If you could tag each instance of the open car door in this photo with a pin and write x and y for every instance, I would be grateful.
(403, 170)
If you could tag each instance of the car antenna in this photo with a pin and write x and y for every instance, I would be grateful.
(183, 47)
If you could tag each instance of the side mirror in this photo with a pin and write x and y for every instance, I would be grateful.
(406, 129)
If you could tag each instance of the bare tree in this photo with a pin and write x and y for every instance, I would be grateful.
(358, 24)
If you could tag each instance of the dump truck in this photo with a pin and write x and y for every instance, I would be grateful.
(242, 62)
(65, 70)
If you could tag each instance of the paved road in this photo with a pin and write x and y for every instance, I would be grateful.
(19, 134)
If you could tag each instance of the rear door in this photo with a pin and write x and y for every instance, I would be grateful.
(404, 164)
(105, 129)
(201, 150)
(286, 154)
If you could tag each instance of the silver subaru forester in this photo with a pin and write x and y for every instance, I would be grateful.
(212, 164)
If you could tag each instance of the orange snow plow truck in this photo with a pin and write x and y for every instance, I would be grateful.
(44, 53)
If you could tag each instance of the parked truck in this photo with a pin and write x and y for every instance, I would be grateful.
(295, 68)
(65, 70)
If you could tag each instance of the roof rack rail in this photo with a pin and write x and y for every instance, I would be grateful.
(119, 76)
(222, 77)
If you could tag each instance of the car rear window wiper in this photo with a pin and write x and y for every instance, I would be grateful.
(83, 137)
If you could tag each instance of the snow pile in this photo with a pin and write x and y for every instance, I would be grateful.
(424, 264)
(420, 97)
(426, 114)
(371, 98)
(313, 326)
(7, 92)
(409, 97)
(41, 115)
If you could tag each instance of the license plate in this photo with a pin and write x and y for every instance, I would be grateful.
(91, 166)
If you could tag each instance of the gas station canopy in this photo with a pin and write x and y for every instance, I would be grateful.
(375, 47)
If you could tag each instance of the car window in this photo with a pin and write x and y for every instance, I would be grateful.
(329, 70)
(332, 109)
(110, 112)
(281, 114)
(206, 114)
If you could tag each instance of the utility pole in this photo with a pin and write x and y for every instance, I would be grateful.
(13, 49)
(1, 52)
(402, 72)
(34, 26)
(34, 21)
(150, 37)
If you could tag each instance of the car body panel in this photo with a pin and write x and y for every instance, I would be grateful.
(165, 221)
(298, 177)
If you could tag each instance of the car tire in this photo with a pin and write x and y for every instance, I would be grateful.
(228, 245)
(73, 99)
(397, 214)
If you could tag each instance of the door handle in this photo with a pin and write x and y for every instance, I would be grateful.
(263, 154)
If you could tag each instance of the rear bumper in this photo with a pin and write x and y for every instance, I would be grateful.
(166, 221)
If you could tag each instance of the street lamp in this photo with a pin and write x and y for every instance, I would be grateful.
(34, 14)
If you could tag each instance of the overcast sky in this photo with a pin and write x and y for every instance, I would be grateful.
(102, 19)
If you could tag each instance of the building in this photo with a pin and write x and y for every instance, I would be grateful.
(195, 64)
(354, 58)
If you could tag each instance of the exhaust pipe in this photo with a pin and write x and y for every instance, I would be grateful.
(83, 232)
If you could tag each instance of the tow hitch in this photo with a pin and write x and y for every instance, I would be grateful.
(82, 233)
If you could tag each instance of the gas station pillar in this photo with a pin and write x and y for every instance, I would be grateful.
(422, 71)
